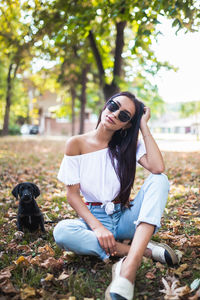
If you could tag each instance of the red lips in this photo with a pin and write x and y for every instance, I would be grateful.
(110, 119)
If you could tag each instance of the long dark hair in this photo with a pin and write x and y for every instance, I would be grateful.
(123, 149)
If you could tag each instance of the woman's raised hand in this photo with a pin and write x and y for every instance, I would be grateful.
(146, 116)
(106, 240)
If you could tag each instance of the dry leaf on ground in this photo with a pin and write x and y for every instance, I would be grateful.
(171, 291)
(180, 270)
(27, 292)
(63, 276)
(7, 287)
(22, 260)
(46, 249)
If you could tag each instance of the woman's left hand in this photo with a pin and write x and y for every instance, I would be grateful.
(146, 116)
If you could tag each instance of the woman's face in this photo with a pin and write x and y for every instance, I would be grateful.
(111, 119)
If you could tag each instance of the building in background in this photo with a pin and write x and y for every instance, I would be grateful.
(50, 125)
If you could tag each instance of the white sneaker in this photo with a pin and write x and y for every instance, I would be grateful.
(163, 253)
(120, 287)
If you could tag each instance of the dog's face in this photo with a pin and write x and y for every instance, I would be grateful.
(26, 191)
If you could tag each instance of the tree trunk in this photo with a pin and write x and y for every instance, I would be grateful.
(8, 101)
(83, 98)
(113, 88)
(73, 94)
(110, 89)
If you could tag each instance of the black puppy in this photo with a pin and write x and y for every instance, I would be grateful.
(29, 215)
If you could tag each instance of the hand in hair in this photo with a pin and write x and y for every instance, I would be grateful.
(146, 116)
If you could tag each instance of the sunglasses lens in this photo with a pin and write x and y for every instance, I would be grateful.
(123, 117)
(112, 106)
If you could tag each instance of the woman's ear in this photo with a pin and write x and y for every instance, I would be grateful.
(127, 125)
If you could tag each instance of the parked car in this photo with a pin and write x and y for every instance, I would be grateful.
(29, 129)
(34, 129)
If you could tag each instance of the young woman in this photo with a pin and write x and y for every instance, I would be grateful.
(101, 165)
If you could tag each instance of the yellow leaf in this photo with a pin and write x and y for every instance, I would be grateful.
(46, 249)
(196, 220)
(49, 277)
(182, 268)
(20, 260)
(27, 292)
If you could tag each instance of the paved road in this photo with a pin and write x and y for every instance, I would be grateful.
(179, 146)
(177, 143)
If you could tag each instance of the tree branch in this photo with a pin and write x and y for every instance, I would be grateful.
(16, 68)
(119, 44)
(97, 56)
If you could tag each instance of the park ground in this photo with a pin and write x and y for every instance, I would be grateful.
(33, 267)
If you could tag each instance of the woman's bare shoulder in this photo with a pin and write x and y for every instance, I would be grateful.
(72, 146)
(75, 143)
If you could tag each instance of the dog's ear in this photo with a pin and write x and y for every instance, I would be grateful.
(36, 190)
(15, 191)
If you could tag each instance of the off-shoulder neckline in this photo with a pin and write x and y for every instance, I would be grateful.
(89, 153)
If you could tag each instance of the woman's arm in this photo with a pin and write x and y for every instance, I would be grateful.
(152, 160)
(104, 236)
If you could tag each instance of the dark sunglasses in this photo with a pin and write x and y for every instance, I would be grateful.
(113, 106)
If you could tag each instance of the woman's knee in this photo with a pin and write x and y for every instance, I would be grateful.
(58, 232)
(161, 180)
(63, 230)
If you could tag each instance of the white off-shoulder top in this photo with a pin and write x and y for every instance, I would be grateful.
(95, 174)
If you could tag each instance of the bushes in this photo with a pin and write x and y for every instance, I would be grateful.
(14, 129)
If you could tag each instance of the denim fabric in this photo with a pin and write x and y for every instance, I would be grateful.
(148, 206)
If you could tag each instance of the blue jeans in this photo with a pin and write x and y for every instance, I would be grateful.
(148, 206)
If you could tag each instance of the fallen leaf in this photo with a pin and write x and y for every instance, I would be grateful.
(182, 268)
(160, 266)
(150, 275)
(27, 292)
(187, 274)
(167, 236)
(7, 287)
(37, 260)
(21, 260)
(24, 248)
(171, 291)
(46, 249)
(173, 224)
(5, 274)
(196, 267)
(52, 263)
(194, 241)
(12, 246)
(49, 277)
(63, 276)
